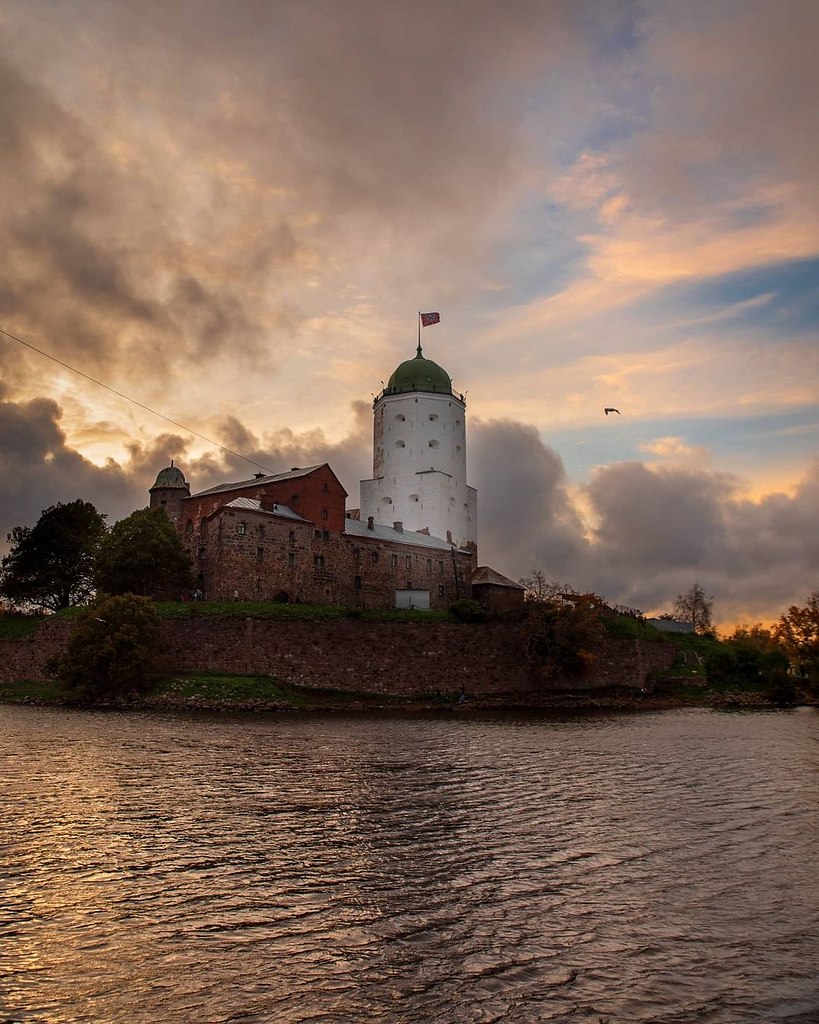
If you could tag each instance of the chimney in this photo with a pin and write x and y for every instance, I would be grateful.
(398, 527)
(370, 523)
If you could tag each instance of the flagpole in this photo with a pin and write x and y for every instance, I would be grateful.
(419, 333)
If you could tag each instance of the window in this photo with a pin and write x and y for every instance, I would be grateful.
(317, 534)
(294, 500)
(429, 565)
(259, 554)
(400, 444)
(261, 530)
(374, 557)
(201, 553)
(408, 561)
(292, 537)
(189, 526)
(324, 513)
(433, 444)
(357, 583)
(318, 561)
(325, 534)
(401, 417)
(241, 529)
(441, 568)
(433, 416)
(440, 590)
(394, 561)
(291, 559)
(324, 487)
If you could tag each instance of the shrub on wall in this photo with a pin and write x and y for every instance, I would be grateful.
(113, 652)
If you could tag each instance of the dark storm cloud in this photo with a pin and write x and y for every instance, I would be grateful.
(38, 469)
(655, 530)
(525, 516)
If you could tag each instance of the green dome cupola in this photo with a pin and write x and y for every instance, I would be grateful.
(419, 374)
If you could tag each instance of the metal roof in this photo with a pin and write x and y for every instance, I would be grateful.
(485, 574)
(258, 481)
(357, 528)
(252, 505)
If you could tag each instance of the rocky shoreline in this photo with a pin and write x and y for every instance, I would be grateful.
(350, 704)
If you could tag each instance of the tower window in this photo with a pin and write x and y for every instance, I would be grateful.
(241, 529)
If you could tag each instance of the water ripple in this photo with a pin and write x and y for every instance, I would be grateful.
(656, 868)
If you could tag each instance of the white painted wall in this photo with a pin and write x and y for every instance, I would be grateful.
(419, 466)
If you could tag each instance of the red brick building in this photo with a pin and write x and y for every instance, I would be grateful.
(287, 537)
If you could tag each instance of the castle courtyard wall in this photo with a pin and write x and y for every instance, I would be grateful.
(404, 659)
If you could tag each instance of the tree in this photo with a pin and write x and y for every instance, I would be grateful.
(113, 651)
(561, 631)
(51, 564)
(798, 631)
(694, 607)
(143, 554)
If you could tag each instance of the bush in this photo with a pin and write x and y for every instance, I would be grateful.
(467, 610)
(113, 652)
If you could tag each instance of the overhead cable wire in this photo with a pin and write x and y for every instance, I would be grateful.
(133, 401)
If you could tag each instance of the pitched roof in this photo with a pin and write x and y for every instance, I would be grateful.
(260, 481)
(252, 505)
(485, 574)
(380, 531)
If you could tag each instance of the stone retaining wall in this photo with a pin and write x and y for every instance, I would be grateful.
(399, 658)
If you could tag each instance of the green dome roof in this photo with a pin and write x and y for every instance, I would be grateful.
(170, 477)
(420, 374)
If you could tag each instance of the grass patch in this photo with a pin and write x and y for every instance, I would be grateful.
(626, 626)
(225, 688)
(307, 612)
(26, 691)
(16, 626)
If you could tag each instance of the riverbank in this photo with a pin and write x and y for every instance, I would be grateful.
(255, 694)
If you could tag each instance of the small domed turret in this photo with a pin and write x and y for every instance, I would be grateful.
(171, 478)
(170, 489)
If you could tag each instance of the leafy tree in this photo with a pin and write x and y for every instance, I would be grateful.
(561, 633)
(694, 607)
(113, 651)
(746, 659)
(51, 564)
(143, 554)
(798, 631)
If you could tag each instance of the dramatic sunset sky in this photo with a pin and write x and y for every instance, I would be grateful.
(232, 212)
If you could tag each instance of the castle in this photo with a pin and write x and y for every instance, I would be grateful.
(289, 536)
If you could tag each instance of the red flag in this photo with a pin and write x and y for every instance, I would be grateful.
(430, 318)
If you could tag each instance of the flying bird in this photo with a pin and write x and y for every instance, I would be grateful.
(607, 411)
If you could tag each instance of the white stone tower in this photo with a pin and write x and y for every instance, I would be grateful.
(419, 456)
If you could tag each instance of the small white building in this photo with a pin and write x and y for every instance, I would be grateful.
(419, 456)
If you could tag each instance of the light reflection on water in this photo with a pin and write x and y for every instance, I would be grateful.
(656, 867)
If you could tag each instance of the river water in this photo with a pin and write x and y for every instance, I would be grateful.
(650, 867)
